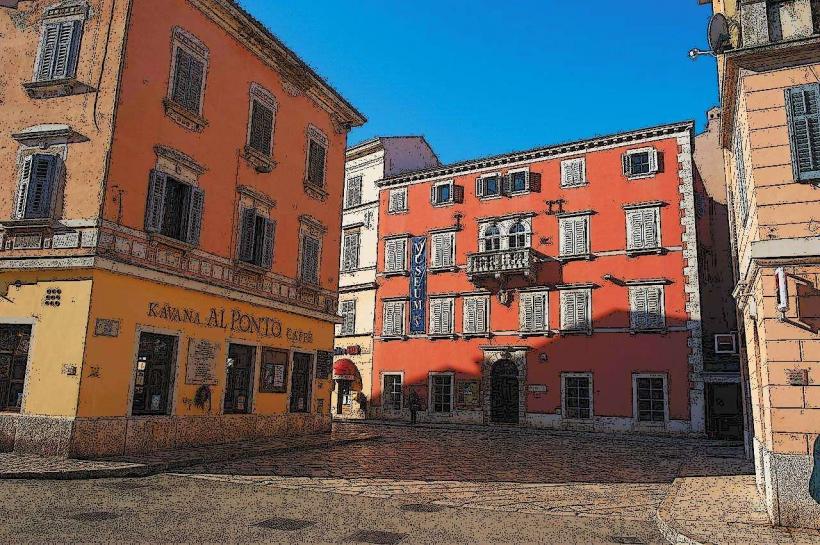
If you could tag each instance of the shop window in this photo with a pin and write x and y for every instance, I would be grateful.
(59, 50)
(646, 310)
(239, 379)
(256, 240)
(577, 396)
(174, 208)
(14, 347)
(392, 392)
(41, 178)
(154, 378)
(274, 371)
(650, 397)
(641, 163)
(441, 393)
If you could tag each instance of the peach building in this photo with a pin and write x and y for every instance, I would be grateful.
(768, 67)
(173, 180)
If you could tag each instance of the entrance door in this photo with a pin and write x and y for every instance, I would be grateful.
(152, 383)
(724, 416)
(504, 392)
(239, 379)
(300, 383)
(14, 342)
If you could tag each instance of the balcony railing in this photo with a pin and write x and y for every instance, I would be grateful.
(498, 262)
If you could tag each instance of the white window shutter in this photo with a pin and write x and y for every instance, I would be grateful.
(627, 165)
(638, 307)
(435, 315)
(636, 229)
(447, 316)
(651, 222)
(479, 187)
(580, 228)
(401, 254)
(390, 257)
(438, 250)
(568, 310)
(470, 318)
(653, 161)
(582, 309)
(538, 308)
(567, 237)
(387, 320)
(22, 188)
(654, 307)
(48, 50)
(526, 312)
(481, 325)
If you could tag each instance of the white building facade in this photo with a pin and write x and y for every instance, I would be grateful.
(366, 164)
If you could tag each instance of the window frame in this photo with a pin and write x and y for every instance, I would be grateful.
(260, 257)
(391, 409)
(564, 397)
(732, 336)
(311, 281)
(395, 191)
(402, 304)
(588, 311)
(450, 301)
(393, 240)
(266, 99)
(434, 264)
(562, 222)
(77, 15)
(345, 315)
(21, 324)
(495, 237)
(633, 312)
(475, 331)
(522, 309)
(190, 224)
(630, 232)
(318, 137)
(635, 400)
(565, 170)
(481, 187)
(653, 160)
(434, 196)
(358, 179)
(355, 263)
(431, 382)
(23, 188)
(182, 39)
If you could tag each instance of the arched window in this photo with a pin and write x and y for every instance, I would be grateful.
(492, 238)
(518, 236)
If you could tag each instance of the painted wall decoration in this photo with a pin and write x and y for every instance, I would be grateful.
(418, 285)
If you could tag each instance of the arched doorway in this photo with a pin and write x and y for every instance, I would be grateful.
(504, 392)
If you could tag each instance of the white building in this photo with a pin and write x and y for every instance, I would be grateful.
(366, 164)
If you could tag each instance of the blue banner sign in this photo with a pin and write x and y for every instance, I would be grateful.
(418, 285)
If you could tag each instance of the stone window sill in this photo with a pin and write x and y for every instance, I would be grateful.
(396, 273)
(39, 90)
(436, 336)
(652, 331)
(252, 267)
(260, 162)
(579, 257)
(437, 270)
(315, 191)
(525, 334)
(635, 252)
(568, 332)
(184, 117)
(156, 238)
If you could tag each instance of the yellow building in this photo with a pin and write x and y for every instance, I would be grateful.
(169, 228)
(768, 55)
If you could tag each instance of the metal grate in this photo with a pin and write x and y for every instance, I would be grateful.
(284, 524)
(376, 537)
(629, 540)
(421, 508)
(95, 516)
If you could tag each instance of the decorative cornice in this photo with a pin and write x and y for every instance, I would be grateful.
(178, 157)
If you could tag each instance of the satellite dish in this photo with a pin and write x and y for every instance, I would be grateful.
(719, 38)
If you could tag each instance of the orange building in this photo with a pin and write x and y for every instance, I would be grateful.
(556, 287)
(170, 216)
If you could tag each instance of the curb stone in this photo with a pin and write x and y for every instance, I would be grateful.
(146, 470)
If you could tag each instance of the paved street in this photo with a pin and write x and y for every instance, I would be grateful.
(423, 485)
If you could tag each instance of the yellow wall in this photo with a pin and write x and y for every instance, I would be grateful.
(112, 359)
(58, 335)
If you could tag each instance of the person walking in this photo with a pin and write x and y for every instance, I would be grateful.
(415, 404)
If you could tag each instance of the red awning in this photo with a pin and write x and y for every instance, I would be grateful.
(344, 369)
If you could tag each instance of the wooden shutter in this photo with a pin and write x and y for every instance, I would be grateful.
(436, 316)
(438, 250)
(458, 193)
(534, 182)
(401, 254)
(42, 182)
(268, 243)
(653, 161)
(651, 236)
(506, 184)
(804, 124)
(447, 316)
(470, 318)
(48, 50)
(635, 229)
(654, 307)
(479, 187)
(433, 194)
(184, 81)
(627, 165)
(195, 87)
(390, 257)
(582, 309)
(316, 163)
(638, 307)
(310, 259)
(351, 253)
(526, 312)
(538, 311)
(568, 311)
(581, 235)
(447, 249)
(195, 210)
(65, 58)
(349, 317)
(387, 320)
(261, 128)
(155, 209)
(247, 232)
(481, 313)
(22, 188)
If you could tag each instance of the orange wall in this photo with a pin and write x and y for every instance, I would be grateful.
(142, 123)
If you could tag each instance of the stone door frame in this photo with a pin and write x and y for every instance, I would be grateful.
(492, 354)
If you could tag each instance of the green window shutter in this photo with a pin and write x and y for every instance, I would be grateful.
(247, 232)
(804, 129)
(41, 187)
(268, 243)
(195, 211)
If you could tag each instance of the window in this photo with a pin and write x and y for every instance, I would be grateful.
(14, 347)
(640, 163)
(643, 228)
(725, 343)
(395, 255)
(533, 311)
(316, 155)
(239, 379)
(476, 315)
(397, 200)
(353, 192)
(262, 116)
(273, 373)
(188, 79)
(392, 400)
(174, 208)
(646, 307)
(153, 378)
(518, 236)
(40, 178)
(59, 49)
(350, 252)
(491, 240)
(393, 321)
(256, 238)
(573, 172)
(441, 316)
(519, 181)
(650, 397)
(488, 186)
(443, 254)
(577, 396)
(804, 129)
(446, 193)
(574, 236)
(441, 393)
(740, 175)
(575, 310)
(347, 310)
(309, 270)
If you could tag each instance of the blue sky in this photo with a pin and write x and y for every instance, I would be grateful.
(480, 77)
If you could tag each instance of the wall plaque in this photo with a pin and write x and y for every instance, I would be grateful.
(201, 367)
(467, 394)
(107, 328)
(324, 364)
(537, 388)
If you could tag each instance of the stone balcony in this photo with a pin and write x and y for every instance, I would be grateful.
(501, 262)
